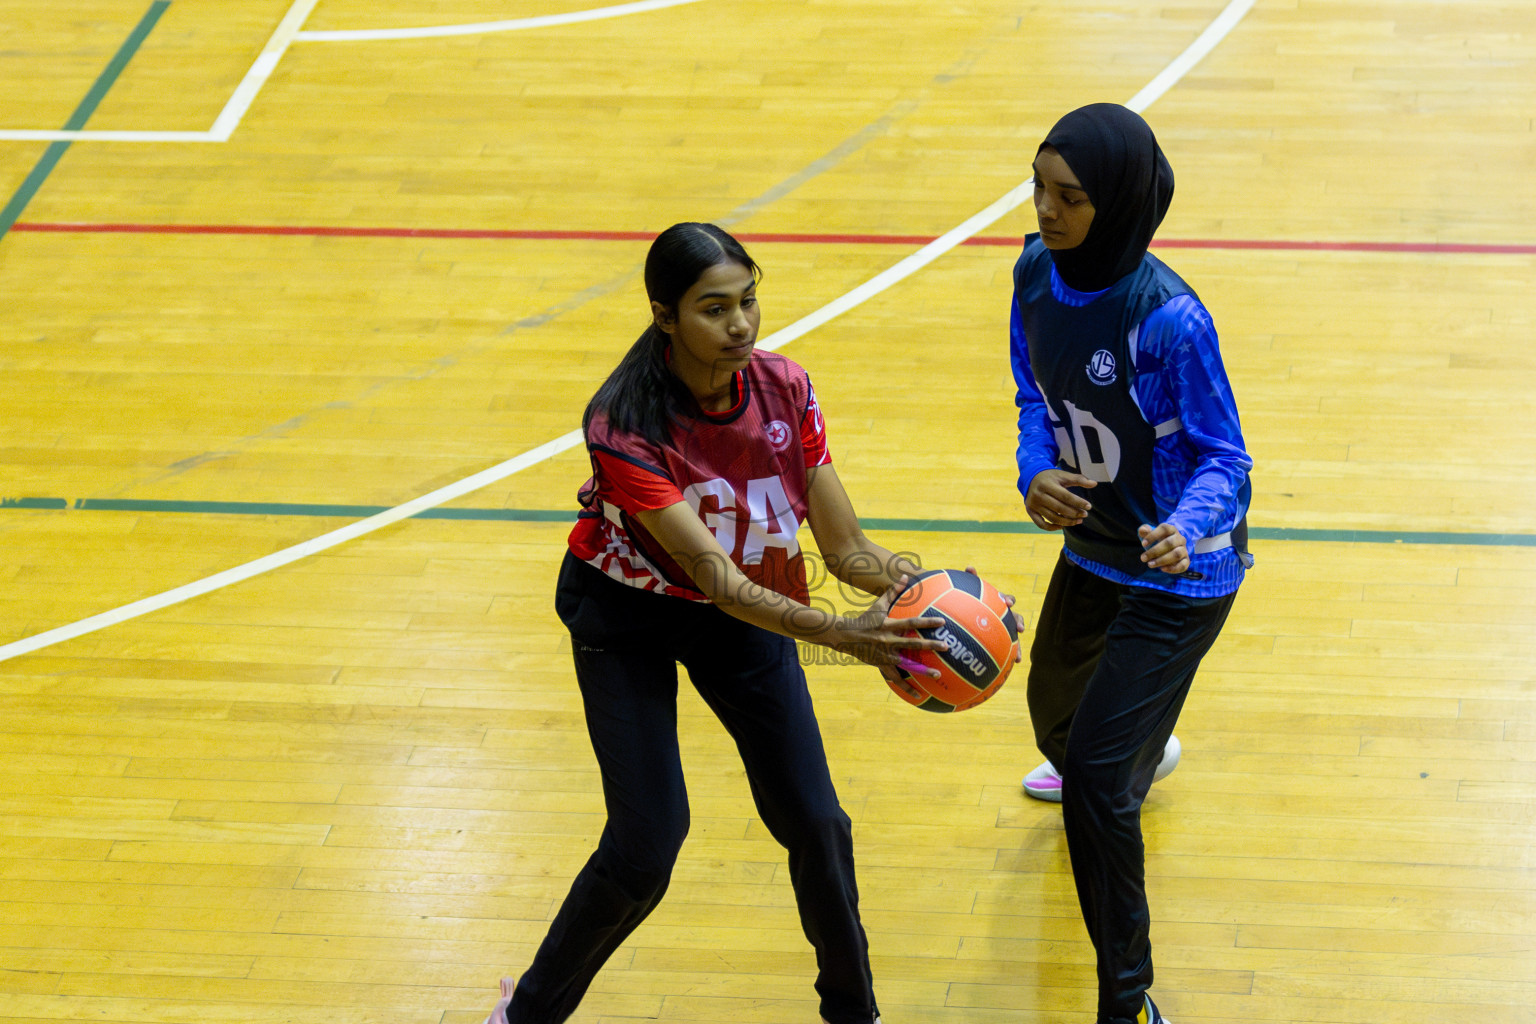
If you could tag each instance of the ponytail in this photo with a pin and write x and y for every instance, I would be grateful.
(642, 395)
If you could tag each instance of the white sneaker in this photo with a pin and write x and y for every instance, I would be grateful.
(1044, 783)
(1170, 759)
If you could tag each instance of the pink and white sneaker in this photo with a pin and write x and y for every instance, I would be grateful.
(1044, 783)
(499, 1014)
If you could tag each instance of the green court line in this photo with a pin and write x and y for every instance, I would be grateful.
(56, 150)
(277, 508)
(49, 503)
(547, 515)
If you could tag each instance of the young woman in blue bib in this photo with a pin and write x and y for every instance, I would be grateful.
(1129, 444)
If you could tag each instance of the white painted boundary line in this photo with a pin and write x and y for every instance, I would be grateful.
(245, 93)
(905, 268)
(289, 31)
(973, 225)
(1214, 33)
(512, 25)
(94, 135)
(288, 555)
(229, 118)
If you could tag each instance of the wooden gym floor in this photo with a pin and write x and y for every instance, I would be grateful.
(263, 278)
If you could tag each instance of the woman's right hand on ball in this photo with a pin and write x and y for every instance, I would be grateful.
(881, 641)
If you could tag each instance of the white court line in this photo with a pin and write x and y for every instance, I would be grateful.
(281, 558)
(1012, 200)
(245, 93)
(94, 135)
(973, 225)
(512, 25)
(229, 118)
(289, 31)
(905, 268)
(1181, 65)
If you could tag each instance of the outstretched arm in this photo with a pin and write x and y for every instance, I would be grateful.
(850, 555)
(870, 637)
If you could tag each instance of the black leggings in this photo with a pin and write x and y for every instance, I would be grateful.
(1109, 671)
(627, 643)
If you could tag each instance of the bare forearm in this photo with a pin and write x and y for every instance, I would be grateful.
(851, 556)
(869, 636)
(731, 591)
(870, 567)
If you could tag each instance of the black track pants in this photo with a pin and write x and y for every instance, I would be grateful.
(627, 644)
(1109, 670)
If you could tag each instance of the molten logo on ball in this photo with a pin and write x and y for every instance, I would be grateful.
(959, 652)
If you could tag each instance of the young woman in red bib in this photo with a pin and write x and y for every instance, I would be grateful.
(706, 458)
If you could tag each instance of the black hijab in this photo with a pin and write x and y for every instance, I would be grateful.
(1129, 182)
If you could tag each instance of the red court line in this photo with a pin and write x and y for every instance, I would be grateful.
(1014, 242)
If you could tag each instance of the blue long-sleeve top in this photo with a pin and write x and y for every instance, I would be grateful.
(1199, 465)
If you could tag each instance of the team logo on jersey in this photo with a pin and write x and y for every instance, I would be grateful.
(1101, 368)
(778, 435)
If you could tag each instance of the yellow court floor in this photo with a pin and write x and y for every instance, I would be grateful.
(269, 268)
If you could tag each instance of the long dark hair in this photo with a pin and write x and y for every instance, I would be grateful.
(642, 395)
